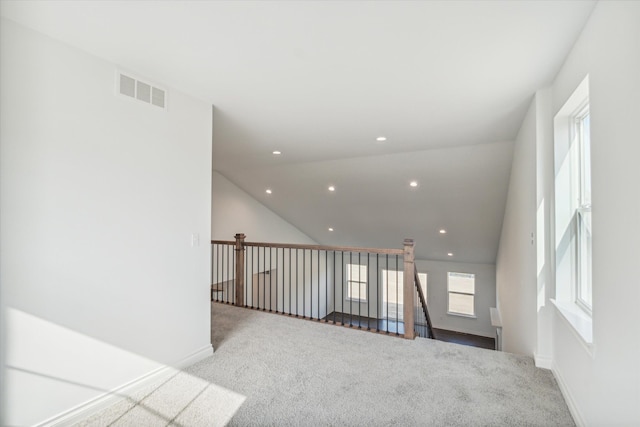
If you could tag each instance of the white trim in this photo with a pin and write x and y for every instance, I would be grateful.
(571, 404)
(496, 319)
(543, 361)
(454, 313)
(579, 322)
(92, 406)
(576, 100)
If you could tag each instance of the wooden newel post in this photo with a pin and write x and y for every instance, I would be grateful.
(408, 289)
(239, 269)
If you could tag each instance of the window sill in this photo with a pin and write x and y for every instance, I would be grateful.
(580, 322)
(470, 316)
(362, 301)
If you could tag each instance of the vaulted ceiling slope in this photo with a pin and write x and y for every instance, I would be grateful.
(446, 82)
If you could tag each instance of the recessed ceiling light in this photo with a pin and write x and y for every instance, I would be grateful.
(381, 139)
(413, 183)
(443, 231)
(449, 254)
(330, 229)
(269, 191)
(277, 153)
(332, 188)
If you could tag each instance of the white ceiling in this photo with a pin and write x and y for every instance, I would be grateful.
(448, 83)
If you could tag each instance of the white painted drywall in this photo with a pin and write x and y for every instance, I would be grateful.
(100, 197)
(437, 296)
(515, 262)
(299, 280)
(604, 387)
(545, 220)
(234, 211)
(601, 385)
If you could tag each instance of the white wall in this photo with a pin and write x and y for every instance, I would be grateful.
(605, 386)
(515, 273)
(100, 196)
(298, 282)
(437, 296)
(601, 384)
(234, 211)
(545, 219)
(524, 270)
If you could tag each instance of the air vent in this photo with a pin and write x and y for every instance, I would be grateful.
(157, 97)
(145, 92)
(127, 86)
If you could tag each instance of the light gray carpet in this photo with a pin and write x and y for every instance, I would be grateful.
(273, 370)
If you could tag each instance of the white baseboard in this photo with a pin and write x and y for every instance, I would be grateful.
(195, 357)
(119, 393)
(573, 409)
(543, 362)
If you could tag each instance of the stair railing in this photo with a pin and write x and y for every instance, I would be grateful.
(423, 326)
(364, 288)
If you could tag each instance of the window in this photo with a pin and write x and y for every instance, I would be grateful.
(583, 210)
(572, 205)
(461, 288)
(357, 282)
(393, 293)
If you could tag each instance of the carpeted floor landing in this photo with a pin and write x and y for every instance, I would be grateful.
(273, 370)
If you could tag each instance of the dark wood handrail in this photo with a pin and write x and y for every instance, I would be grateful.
(423, 303)
(314, 247)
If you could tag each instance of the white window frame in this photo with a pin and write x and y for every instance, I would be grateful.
(358, 281)
(582, 289)
(571, 207)
(449, 292)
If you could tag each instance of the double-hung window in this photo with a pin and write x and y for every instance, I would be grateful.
(461, 289)
(583, 210)
(357, 282)
(572, 205)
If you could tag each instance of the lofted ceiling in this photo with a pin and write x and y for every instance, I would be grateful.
(446, 82)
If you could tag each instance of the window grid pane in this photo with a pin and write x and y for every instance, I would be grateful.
(461, 303)
(462, 283)
(583, 286)
(357, 290)
(357, 282)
